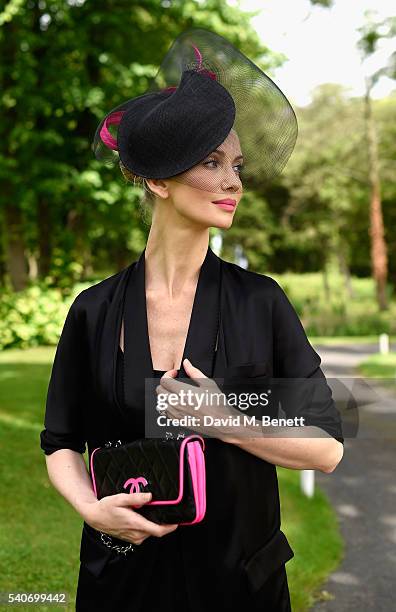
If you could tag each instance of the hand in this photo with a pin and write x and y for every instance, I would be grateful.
(114, 515)
(206, 400)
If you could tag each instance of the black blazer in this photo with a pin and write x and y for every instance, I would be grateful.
(242, 325)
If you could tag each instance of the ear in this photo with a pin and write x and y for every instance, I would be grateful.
(159, 187)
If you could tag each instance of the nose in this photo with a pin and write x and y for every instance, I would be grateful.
(231, 181)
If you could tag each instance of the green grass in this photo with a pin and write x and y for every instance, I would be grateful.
(337, 314)
(349, 340)
(380, 366)
(40, 545)
(39, 549)
(311, 526)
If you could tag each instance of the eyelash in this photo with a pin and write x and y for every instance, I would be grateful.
(240, 166)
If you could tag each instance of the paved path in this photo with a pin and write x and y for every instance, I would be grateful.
(362, 490)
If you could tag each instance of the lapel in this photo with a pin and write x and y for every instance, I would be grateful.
(201, 337)
(221, 305)
(105, 328)
(244, 346)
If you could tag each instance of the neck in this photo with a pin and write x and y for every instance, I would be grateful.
(173, 259)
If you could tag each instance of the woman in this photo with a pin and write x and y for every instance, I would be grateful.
(179, 300)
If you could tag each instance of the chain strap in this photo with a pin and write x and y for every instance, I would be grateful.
(105, 537)
(108, 541)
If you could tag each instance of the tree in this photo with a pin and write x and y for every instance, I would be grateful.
(371, 35)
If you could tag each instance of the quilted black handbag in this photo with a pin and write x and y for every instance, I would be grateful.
(172, 470)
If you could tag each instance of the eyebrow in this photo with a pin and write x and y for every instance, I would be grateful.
(223, 154)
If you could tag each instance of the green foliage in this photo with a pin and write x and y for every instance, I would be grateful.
(325, 3)
(32, 317)
(371, 33)
(325, 207)
(336, 313)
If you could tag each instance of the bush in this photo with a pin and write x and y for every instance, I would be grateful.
(32, 317)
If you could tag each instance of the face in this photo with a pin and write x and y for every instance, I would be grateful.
(193, 194)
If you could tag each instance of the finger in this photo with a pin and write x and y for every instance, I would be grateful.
(198, 376)
(192, 371)
(132, 499)
(164, 528)
(157, 529)
(170, 373)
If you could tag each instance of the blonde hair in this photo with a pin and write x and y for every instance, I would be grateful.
(147, 201)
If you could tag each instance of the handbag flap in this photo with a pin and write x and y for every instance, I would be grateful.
(150, 464)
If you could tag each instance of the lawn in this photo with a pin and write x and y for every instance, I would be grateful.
(39, 549)
(335, 313)
(379, 366)
(348, 340)
(382, 367)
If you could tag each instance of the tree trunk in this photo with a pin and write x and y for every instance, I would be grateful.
(87, 270)
(44, 238)
(326, 283)
(33, 267)
(3, 265)
(379, 258)
(15, 248)
(345, 271)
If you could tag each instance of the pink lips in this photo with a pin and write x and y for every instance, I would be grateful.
(227, 203)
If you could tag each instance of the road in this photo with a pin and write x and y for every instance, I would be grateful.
(362, 490)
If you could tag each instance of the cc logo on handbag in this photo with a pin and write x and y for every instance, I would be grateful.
(135, 484)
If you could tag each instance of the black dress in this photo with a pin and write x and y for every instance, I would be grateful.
(235, 558)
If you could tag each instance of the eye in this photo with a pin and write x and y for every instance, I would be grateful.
(210, 161)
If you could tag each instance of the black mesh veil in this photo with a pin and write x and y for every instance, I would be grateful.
(207, 106)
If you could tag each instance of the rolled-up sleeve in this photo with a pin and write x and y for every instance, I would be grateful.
(305, 391)
(66, 394)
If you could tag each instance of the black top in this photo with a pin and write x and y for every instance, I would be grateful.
(119, 374)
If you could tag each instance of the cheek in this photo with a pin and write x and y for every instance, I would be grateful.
(195, 201)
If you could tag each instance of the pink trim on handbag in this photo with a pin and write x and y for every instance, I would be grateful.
(196, 460)
(92, 471)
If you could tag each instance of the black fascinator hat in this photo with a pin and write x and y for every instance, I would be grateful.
(207, 99)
